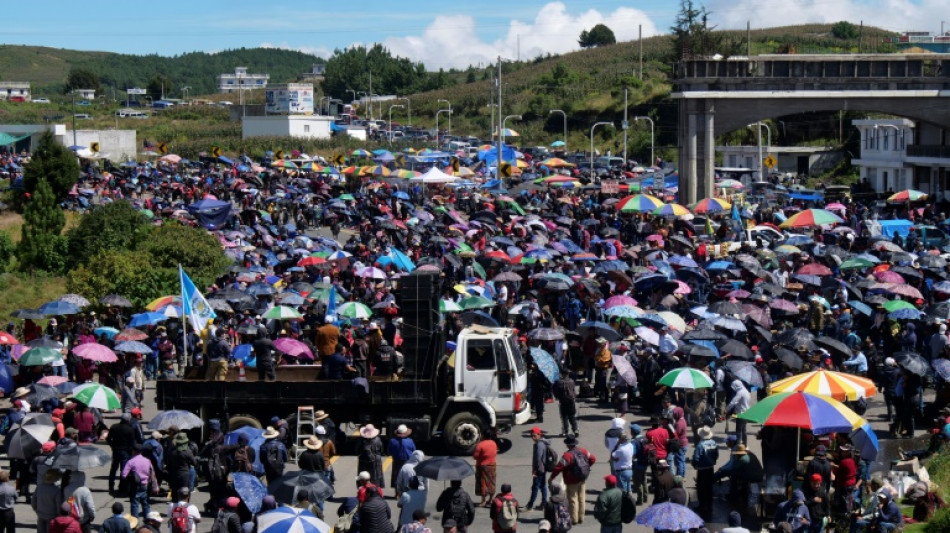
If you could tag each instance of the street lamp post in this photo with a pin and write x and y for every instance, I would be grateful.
(408, 110)
(611, 124)
(354, 95)
(652, 138)
(450, 112)
(501, 142)
(437, 131)
(184, 93)
(564, 116)
(758, 129)
(74, 118)
(491, 112)
(391, 121)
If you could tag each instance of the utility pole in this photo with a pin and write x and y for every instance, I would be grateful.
(748, 38)
(625, 124)
(640, 47)
(370, 95)
(498, 163)
(491, 102)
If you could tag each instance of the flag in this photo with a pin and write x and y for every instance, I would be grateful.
(735, 210)
(193, 303)
(709, 228)
(331, 303)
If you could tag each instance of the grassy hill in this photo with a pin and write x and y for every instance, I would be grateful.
(47, 68)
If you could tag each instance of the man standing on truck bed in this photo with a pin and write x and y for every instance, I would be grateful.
(264, 352)
(328, 336)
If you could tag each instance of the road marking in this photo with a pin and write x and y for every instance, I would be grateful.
(334, 458)
(388, 462)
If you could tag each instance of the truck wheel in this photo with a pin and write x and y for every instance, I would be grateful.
(462, 432)
(240, 421)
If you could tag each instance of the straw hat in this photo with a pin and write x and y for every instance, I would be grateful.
(740, 450)
(21, 392)
(133, 521)
(270, 433)
(313, 443)
(705, 433)
(369, 431)
(319, 415)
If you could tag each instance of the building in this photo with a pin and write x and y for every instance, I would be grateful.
(315, 75)
(240, 80)
(299, 126)
(85, 94)
(17, 91)
(289, 99)
(922, 42)
(799, 160)
(898, 154)
(117, 145)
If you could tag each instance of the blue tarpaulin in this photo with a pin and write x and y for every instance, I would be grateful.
(806, 197)
(490, 156)
(212, 214)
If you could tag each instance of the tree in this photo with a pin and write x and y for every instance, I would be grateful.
(41, 245)
(124, 272)
(114, 226)
(53, 164)
(80, 78)
(844, 30)
(692, 35)
(351, 68)
(599, 35)
(194, 249)
(7, 251)
(159, 86)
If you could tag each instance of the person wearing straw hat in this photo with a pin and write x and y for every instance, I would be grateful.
(312, 459)
(273, 455)
(369, 451)
(705, 456)
(400, 448)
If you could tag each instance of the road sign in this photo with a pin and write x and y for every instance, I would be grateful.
(94, 147)
(610, 186)
(338, 159)
(400, 161)
(455, 164)
(136, 90)
(625, 124)
(215, 151)
(770, 161)
(162, 148)
(505, 169)
(279, 154)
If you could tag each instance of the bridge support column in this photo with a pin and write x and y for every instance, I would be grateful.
(697, 149)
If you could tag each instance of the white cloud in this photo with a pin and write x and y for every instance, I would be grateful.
(895, 15)
(454, 41)
(319, 51)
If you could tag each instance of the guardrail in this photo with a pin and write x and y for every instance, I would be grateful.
(935, 151)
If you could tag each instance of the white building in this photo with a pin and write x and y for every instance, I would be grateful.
(85, 94)
(15, 90)
(118, 145)
(300, 126)
(898, 154)
(800, 160)
(315, 75)
(240, 80)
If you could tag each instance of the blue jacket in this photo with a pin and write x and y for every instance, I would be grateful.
(705, 454)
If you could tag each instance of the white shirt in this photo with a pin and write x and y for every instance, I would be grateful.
(194, 515)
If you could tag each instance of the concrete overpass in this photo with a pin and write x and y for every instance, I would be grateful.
(719, 96)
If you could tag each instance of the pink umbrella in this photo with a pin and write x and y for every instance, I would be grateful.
(682, 287)
(783, 305)
(293, 347)
(95, 352)
(18, 350)
(620, 299)
(905, 290)
(655, 237)
(52, 381)
(814, 269)
(738, 293)
(886, 276)
(836, 206)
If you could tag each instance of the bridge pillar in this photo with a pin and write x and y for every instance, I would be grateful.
(697, 149)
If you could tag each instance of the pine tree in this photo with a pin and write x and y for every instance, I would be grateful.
(41, 246)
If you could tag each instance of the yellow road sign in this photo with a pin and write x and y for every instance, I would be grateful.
(505, 169)
(338, 159)
(770, 161)
(215, 151)
(279, 154)
(94, 147)
(162, 148)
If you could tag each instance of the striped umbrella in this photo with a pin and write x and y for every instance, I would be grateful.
(448, 306)
(671, 210)
(810, 218)
(837, 385)
(282, 312)
(476, 302)
(96, 395)
(907, 195)
(820, 414)
(711, 205)
(163, 301)
(290, 520)
(638, 203)
(354, 310)
(686, 378)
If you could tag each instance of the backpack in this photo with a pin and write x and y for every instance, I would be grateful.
(5, 425)
(507, 517)
(272, 458)
(580, 466)
(132, 481)
(179, 519)
(217, 467)
(562, 517)
(628, 507)
(221, 521)
(646, 452)
(242, 460)
(708, 417)
(550, 458)
(459, 509)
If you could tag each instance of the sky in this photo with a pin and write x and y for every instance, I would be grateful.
(439, 33)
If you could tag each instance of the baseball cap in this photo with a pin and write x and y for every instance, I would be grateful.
(535, 430)
(544, 525)
(816, 477)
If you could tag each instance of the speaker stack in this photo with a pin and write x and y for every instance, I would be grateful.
(421, 330)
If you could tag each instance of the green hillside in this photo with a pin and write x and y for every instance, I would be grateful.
(46, 68)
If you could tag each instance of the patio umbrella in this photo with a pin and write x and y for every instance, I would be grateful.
(865, 440)
(354, 310)
(176, 417)
(625, 369)
(546, 364)
(686, 378)
(290, 520)
(97, 352)
(811, 217)
(746, 372)
(669, 516)
(114, 300)
(287, 487)
(131, 334)
(444, 469)
(98, 396)
(282, 312)
(250, 489)
(40, 357)
(837, 385)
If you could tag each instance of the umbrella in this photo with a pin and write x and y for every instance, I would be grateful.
(704, 334)
(905, 314)
(811, 217)
(865, 440)
(286, 488)
(131, 334)
(97, 352)
(293, 347)
(545, 334)
(282, 312)
(736, 349)
(480, 318)
(75, 457)
(615, 301)
(837, 385)
(290, 520)
(132, 347)
(546, 364)
(476, 302)
(913, 363)
(448, 306)
(942, 368)
(796, 338)
(790, 358)
(625, 369)
(746, 372)
(110, 333)
(444, 468)
(58, 307)
(6, 379)
(45, 342)
(21, 444)
(98, 396)
(40, 357)
(698, 350)
(638, 203)
(726, 322)
(40, 393)
(27, 314)
(354, 310)
(250, 489)
(834, 345)
(907, 195)
(598, 329)
(147, 319)
(75, 299)
(52, 381)
(176, 417)
(711, 205)
(804, 410)
(669, 516)
(686, 378)
(371, 272)
(725, 307)
(114, 300)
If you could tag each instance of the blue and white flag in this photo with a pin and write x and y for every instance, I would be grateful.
(193, 303)
(331, 303)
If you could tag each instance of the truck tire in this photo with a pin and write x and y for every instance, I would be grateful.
(240, 421)
(462, 432)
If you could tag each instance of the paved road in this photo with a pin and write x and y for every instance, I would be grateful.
(514, 466)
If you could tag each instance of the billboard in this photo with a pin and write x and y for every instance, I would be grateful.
(135, 90)
(289, 99)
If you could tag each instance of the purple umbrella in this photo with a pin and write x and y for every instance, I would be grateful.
(669, 516)
(783, 305)
(625, 370)
(293, 347)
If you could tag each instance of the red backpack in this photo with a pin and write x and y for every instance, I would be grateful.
(179, 518)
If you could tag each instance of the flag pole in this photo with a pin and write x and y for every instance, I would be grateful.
(184, 319)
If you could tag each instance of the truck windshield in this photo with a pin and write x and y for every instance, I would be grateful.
(516, 353)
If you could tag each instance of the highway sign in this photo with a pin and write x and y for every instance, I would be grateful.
(94, 147)
(162, 148)
(215, 151)
(770, 161)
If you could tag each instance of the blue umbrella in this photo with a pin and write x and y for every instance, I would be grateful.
(290, 520)
(623, 311)
(865, 440)
(401, 260)
(401, 195)
(259, 289)
(546, 364)
(798, 240)
(255, 438)
(682, 260)
(146, 319)
(942, 368)
(720, 265)
(671, 516)
(648, 281)
(59, 307)
(132, 347)
(107, 331)
(861, 307)
(244, 352)
(6, 379)
(180, 418)
(250, 489)
(292, 299)
(905, 314)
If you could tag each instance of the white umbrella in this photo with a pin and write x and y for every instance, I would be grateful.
(290, 520)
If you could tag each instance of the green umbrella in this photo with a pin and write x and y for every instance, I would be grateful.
(40, 356)
(282, 312)
(354, 310)
(96, 395)
(476, 302)
(686, 378)
(479, 270)
(856, 262)
(346, 197)
(448, 306)
(895, 305)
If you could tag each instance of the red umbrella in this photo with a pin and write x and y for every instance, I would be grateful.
(814, 269)
(131, 334)
(95, 352)
(6, 338)
(310, 261)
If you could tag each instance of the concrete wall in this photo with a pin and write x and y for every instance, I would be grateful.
(302, 126)
(120, 145)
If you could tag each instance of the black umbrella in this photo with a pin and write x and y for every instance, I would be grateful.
(790, 358)
(808, 279)
(479, 317)
(770, 288)
(286, 488)
(796, 338)
(834, 345)
(764, 333)
(907, 272)
(746, 372)
(598, 329)
(114, 300)
(736, 348)
(553, 284)
(940, 311)
(40, 393)
(725, 307)
(696, 350)
(913, 362)
(932, 261)
(704, 334)
(682, 240)
(444, 469)
(545, 334)
(75, 457)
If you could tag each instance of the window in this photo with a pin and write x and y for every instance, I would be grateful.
(886, 140)
(480, 355)
(306, 128)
